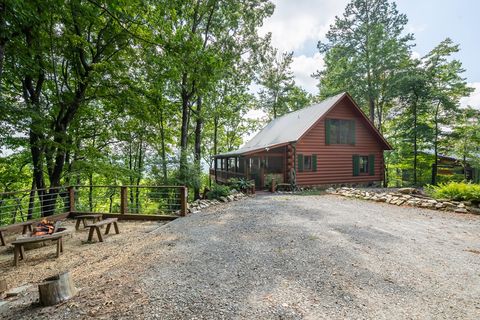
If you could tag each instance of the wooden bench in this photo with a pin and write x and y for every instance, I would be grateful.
(96, 227)
(27, 226)
(93, 217)
(19, 250)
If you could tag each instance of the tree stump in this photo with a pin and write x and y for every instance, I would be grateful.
(56, 289)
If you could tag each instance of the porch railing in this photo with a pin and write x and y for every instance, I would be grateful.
(225, 175)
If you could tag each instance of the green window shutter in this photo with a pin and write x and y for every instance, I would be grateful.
(327, 131)
(300, 162)
(352, 132)
(356, 164)
(314, 162)
(371, 164)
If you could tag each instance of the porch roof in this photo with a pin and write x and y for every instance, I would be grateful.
(287, 128)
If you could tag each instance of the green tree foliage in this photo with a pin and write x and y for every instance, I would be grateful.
(464, 139)
(365, 49)
(415, 103)
(279, 94)
(137, 92)
(122, 92)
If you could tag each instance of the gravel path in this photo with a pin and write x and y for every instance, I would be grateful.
(314, 257)
(277, 257)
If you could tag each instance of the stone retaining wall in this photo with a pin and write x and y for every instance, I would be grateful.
(199, 204)
(408, 197)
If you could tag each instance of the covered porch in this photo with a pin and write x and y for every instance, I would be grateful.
(261, 166)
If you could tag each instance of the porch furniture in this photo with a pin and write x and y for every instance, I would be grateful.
(19, 250)
(27, 226)
(82, 218)
(96, 227)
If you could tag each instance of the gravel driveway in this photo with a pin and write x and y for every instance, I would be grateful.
(314, 257)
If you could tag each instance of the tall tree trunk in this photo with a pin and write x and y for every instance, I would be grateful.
(130, 176)
(90, 192)
(198, 146)
(31, 201)
(371, 109)
(215, 135)
(163, 146)
(139, 175)
(3, 40)
(435, 146)
(415, 136)
(184, 129)
(275, 105)
(2, 58)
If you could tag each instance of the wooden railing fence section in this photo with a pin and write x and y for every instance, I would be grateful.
(129, 202)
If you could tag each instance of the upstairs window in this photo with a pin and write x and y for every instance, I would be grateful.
(339, 131)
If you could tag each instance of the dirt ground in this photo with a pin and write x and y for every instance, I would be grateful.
(270, 257)
(104, 272)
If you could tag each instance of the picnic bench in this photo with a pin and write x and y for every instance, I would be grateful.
(93, 217)
(96, 227)
(27, 226)
(19, 249)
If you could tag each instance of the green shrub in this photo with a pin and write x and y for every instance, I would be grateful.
(218, 191)
(458, 191)
(240, 184)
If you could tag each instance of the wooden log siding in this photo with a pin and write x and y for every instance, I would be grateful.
(335, 161)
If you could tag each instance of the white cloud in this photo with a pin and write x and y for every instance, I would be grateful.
(303, 67)
(415, 55)
(296, 22)
(474, 99)
(300, 24)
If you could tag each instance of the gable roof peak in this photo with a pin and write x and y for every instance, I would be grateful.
(289, 127)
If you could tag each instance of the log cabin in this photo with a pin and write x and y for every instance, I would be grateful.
(329, 143)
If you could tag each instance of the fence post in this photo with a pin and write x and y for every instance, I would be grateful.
(71, 199)
(123, 200)
(183, 201)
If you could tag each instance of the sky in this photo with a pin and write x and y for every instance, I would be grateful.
(297, 25)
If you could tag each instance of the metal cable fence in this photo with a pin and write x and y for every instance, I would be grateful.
(20, 206)
(153, 200)
(149, 200)
(97, 199)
